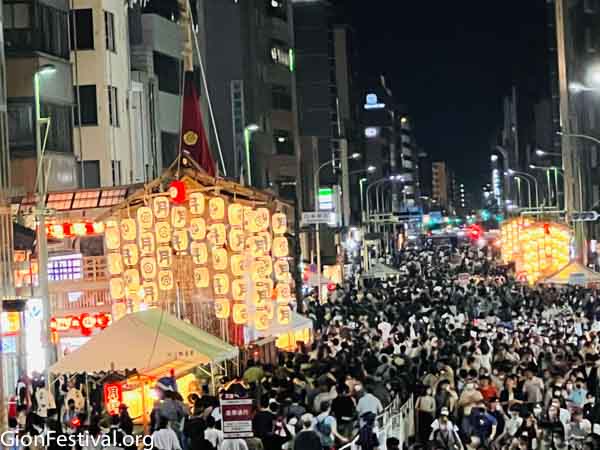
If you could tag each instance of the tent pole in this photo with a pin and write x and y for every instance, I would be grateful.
(212, 377)
(144, 409)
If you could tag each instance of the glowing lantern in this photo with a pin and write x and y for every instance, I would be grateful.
(147, 243)
(219, 259)
(145, 217)
(178, 216)
(249, 219)
(164, 256)
(221, 284)
(163, 232)
(98, 227)
(148, 268)
(79, 229)
(284, 292)
(280, 247)
(216, 208)
(222, 308)
(166, 282)
(117, 289)
(130, 254)
(270, 309)
(199, 253)
(115, 263)
(261, 219)
(113, 397)
(180, 240)
(177, 191)
(160, 207)
(283, 314)
(267, 241)
(217, 234)
(240, 314)
(150, 292)
(264, 287)
(261, 320)
(262, 267)
(128, 229)
(236, 239)
(201, 277)
(279, 223)
(237, 265)
(238, 289)
(132, 281)
(197, 228)
(196, 203)
(235, 214)
(282, 270)
(58, 231)
(255, 245)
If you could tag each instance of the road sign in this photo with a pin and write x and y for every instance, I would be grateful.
(312, 218)
(584, 216)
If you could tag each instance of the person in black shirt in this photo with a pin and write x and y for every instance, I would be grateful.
(343, 408)
(262, 423)
(307, 439)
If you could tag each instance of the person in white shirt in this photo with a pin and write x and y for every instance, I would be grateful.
(368, 403)
(211, 434)
(234, 444)
(164, 437)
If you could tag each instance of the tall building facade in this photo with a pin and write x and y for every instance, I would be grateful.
(441, 185)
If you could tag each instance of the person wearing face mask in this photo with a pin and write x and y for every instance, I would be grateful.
(444, 434)
(578, 394)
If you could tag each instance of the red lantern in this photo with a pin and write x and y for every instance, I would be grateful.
(177, 192)
(113, 397)
(331, 287)
(89, 228)
(67, 229)
(102, 320)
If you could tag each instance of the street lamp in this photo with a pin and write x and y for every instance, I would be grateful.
(360, 184)
(249, 130)
(527, 176)
(369, 169)
(42, 239)
(541, 152)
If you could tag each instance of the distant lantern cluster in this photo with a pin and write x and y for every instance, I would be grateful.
(235, 253)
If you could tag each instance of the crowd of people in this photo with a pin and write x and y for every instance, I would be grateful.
(491, 364)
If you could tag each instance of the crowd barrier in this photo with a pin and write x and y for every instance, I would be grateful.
(397, 420)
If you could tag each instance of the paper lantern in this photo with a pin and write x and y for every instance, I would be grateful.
(177, 192)
(255, 246)
(280, 247)
(240, 314)
(196, 203)
(163, 232)
(201, 277)
(166, 281)
(178, 216)
(238, 289)
(249, 219)
(262, 267)
(180, 240)
(265, 245)
(112, 238)
(115, 263)
(117, 288)
(216, 234)
(235, 214)
(283, 314)
(261, 320)
(236, 240)
(282, 270)
(219, 259)
(131, 254)
(279, 223)
(216, 208)
(237, 265)
(98, 227)
(79, 229)
(145, 218)
(148, 268)
(222, 308)
(132, 281)
(270, 309)
(147, 243)
(197, 228)
(128, 229)
(261, 219)
(284, 292)
(221, 284)
(199, 253)
(264, 288)
(160, 207)
(164, 256)
(149, 292)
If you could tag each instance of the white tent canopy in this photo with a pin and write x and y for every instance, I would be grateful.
(145, 341)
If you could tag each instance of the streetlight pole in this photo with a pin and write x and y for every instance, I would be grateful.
(249, 130)
(530, 177)
(518, 178)
(41, 187)
(362, 198)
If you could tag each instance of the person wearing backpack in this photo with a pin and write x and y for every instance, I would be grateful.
(326, 427)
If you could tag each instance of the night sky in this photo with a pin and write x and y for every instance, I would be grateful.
(451, 63)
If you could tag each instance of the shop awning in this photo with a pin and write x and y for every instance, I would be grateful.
(146, 341)
(573, 273)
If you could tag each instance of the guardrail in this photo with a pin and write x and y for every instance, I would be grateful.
(397, 420)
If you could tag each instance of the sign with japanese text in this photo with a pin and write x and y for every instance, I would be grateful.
(237, 418)
(113, 397)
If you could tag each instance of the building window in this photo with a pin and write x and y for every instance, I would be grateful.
(113, 106)
(590, 43)
(82, 29)
(109, 27)
(281, 97)
(20, 125)
(85, 96)
(16, 16)
(60, 133)
(590, 6)
(89, 174)
(116, 172)
(170, 148)
(284, 144)
(280, 53)
(277, 8)
(168, 72)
